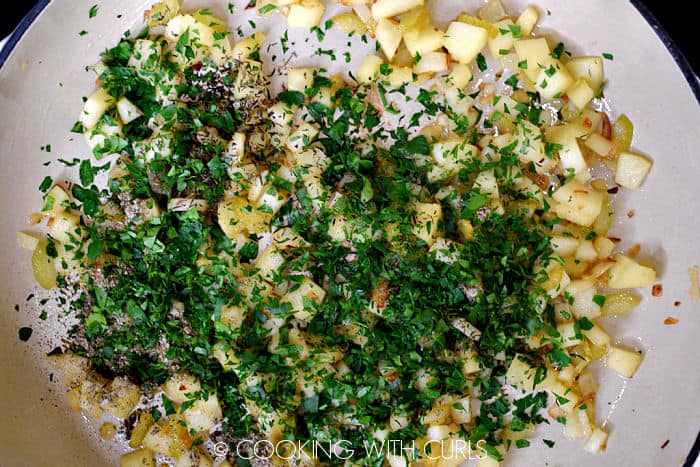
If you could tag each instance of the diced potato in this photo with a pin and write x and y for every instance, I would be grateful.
(632, 169)
(432, 62)
(226, 356)
(388, 35)
(29, 240)
(138, 458)
(535, 53)
(528, 20)
(628, 274)
(520, 374)
(596, 443)
(620, 303)
(570, 156)
(439, 413)
(307, 290)
(578, 203)
(394, 460)
(460, 410)
(238, 216)
(168, 437)
(586, 251)
(580, 94)
(304, 135)
(553, 80)
(43, 266)
(399, 75)
(128, 112)
(623, 361)
(603, 246)
(144, 49)
(622, 133)
(589, 69)
(369, 70)
(121, 396)
(95, 106)
(179, 386)
(390, 8)
(203, 414)
(142, 426)
(269, 263)
(56, 201)
(426, 221)
(464, 41)
(91, 390)
(306, 14)
(487, 184)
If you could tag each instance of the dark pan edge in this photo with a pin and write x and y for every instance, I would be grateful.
(21, 29)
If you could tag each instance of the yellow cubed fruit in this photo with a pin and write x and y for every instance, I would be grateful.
(620, 303)
(369, 70)
(580, 94)
(589, 69)
(626, 273)
(390, 8)
(300, 79)
(432, 62)
(388, 34)
(631, 170)
(623, 361)
(535, 55)
(578, 203)
(553, 80)
(308, 290)
(305, 14)
(528, 20)
(95, 106)
(464, 41)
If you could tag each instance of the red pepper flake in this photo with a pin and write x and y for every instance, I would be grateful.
(630, 214)
(665, 443)
(657, 290)
(634, 251)
(615, 239)
(676, 303)
(670, 321)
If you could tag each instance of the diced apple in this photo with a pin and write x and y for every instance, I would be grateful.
(578, 203)
(369, 70)
(596, 443)
(553, 80)
(306, 14)
(95, 106)
(564, 246)
(128, 112)
(584, 306)
(460, 75)
(29, 240)
(567, 334)
(632, 169)
(580, 94)
(503, 42)
(464, 41)
(350, 23)
(535, 55)
(43, 266)
(388, 34)
(244, 48)
(589, 69)
(600, 145)
(300, 79)
(487, 184)
(628, 274)
(179, 386)
(432, 62)
(623, 361)
(528, 20)
(390, 8)
(144, 49)
(269, 263)
(399, 75)
(620, 303)
(597, 336)
(422, 41)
